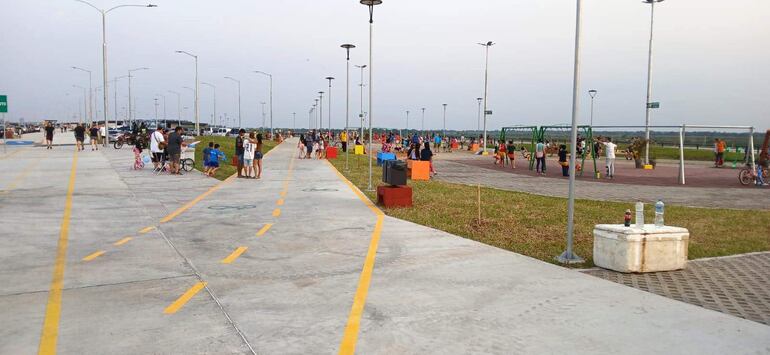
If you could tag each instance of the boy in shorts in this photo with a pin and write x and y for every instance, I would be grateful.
(215, 155)
(206, 153)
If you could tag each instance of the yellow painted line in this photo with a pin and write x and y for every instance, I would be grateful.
(283, 193)
(147, 229)
(235, 254)
(264, 229)
(23, 175)
(182, 300)
(93, 256)
(192, 203)
(279, 202)
(122, 241)
(353, 326)
(276, 212)
(50, 333)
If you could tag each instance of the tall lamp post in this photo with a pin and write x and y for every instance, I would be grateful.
(294, 125)
(131, 113)
(444, 120)
(178, 105)
(486, 86)
(214, 113)
(347, 101)
(407, 123)
(329, 98)
(315, 112)
(361, 113)
(568, 256)
(90, 112)
(197, 106)
(422, 125)
(104, 13)
(370, 4)
(648, 104)
(263, 113)
(239, 99)
(271, 98)
(592, 93)
(478, 121)
(320, 112)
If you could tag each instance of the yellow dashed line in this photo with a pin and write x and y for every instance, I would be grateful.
(276, 212)
(279, 202)
(235, 254)
(147, 229)
(183, 299)
(93, 256)
(264, 229)
(122, 241)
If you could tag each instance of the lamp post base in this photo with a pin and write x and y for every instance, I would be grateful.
(570, 258)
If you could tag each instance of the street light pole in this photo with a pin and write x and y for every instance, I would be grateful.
(649, 85)
(197, 106)
(271, 99)
(347, 101)
(568, 256)
(315, 112)
(444, 120)
(239, 100)
(592, 93)
(329, 118)
(104, 76)
(422, 125)
(478, 121)
(321, 112)
(263, 114)
(486, 86)
(370, 4)
(361, 113)
(214, 113)
(90, 111)
(407, 123)
(294, 125)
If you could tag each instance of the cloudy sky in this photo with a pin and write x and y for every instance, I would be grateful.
(710, 63)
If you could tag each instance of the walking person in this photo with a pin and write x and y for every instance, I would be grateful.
(93, 136)
(157, 144)
(609, 154)
(563, 160)
(174, 149)
(239, 151)
(540, 157)
(258, 157)
(80, 136)
(49, 129)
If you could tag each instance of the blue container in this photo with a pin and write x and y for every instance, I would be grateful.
(381, 157)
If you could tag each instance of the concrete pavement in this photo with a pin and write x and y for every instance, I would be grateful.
(296, 262)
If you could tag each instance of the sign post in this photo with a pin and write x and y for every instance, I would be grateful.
(4, 110)
(653, 105)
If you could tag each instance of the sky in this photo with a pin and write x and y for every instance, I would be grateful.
(710, 62)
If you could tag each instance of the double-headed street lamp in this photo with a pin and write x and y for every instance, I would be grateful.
(131, 113)
(347, 47)
(197, 107)
(90, 111)
(239, 99)
(214, 113)
(271, 98)
(648, 104)
(486, 86)
(104, 77)
(370, 4)
(592, 93)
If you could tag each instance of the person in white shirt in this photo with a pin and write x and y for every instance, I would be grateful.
(248, 154)
(156, 138)
(609, 150)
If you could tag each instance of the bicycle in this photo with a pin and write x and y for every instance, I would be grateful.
(747, 176)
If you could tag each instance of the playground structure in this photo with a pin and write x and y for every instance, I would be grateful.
(540, 133)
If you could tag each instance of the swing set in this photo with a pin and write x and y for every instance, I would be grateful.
(547, 134)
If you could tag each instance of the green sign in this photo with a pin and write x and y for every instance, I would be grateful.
(653, 105)
(3, 104)
(488, 112)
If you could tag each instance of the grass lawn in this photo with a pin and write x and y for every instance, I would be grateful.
(227, 145)
(535, 225)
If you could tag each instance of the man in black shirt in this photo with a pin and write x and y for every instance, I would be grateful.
(49, 129)
(93, 134)
(80, 136)
(174, 149)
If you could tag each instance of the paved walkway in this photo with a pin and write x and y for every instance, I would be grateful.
(463, 168)
(293, 263)
(737, 285)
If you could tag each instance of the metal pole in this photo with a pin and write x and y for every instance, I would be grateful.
(115, 97)
(444, 120)
(321, 112)
(478, 122)
(271, 105)
(329, 118)
(371, 85)
(681, 155)
(649, 86)
(197, 106)
(294, 125)
(751, 146)
(407, 122)
(568, 256)
(592, 111)
(130, 114)
(422, 124)
(347, 103)
(486, 87)
(361, 113)
(104, 77)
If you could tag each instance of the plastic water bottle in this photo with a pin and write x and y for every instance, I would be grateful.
(639, 215)
(659, 209)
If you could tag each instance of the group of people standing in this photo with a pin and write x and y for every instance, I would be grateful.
(248, 151)
(95, 132)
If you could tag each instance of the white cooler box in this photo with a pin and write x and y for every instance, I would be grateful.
(648, 249)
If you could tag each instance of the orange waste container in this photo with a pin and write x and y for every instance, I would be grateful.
(420, 170)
